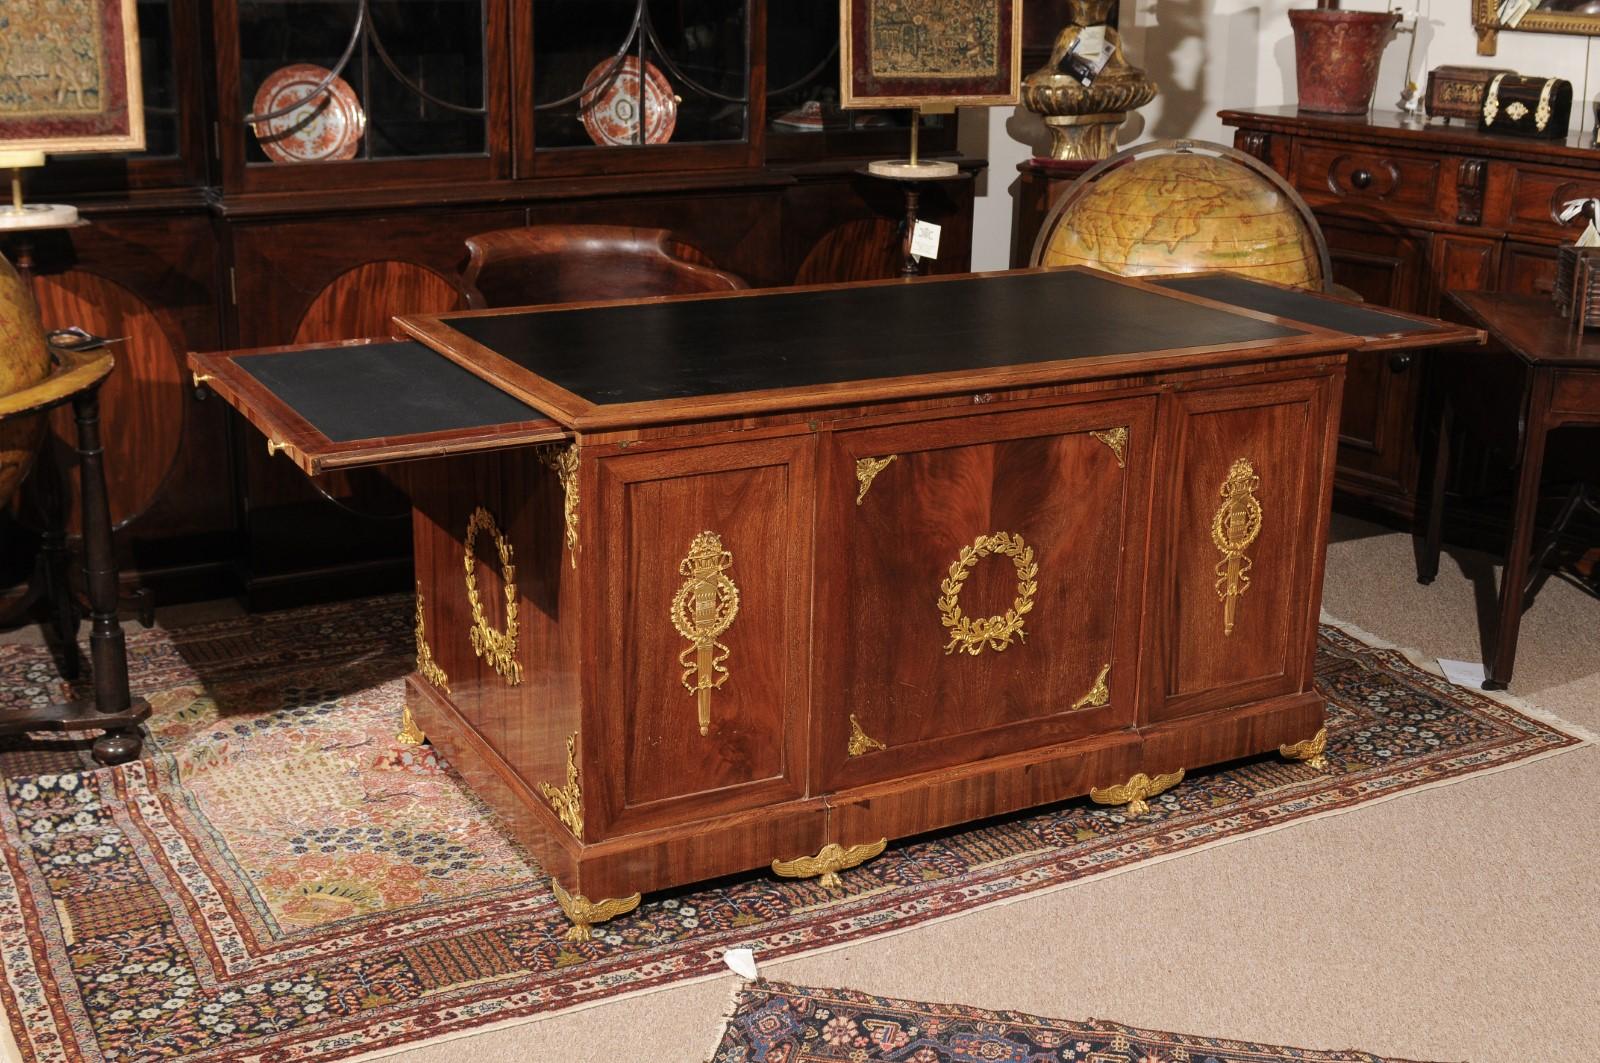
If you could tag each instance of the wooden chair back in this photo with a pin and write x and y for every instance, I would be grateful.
(576, 263)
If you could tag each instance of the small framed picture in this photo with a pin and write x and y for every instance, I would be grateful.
(69, 77)
(907, 53)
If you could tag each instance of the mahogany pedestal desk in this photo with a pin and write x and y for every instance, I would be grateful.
(1536, 353)
(713, 583)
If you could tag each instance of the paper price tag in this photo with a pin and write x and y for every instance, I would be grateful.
(1091, 42)
(925, 240)
(1590, 237)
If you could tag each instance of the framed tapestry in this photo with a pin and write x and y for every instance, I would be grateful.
(907, 53)
(69, 76)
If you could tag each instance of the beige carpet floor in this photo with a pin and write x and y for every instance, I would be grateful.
(1457, 923)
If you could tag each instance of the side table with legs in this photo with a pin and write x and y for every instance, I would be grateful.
(1560, 382)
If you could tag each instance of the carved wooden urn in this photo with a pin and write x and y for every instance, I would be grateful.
(1083, 121)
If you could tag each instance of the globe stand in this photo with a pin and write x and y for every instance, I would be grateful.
(112, 709)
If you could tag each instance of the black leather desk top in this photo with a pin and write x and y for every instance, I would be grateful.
(1356, 318)
(383, 390)
(679, 350)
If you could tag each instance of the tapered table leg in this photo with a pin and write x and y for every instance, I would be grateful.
(1502, 656)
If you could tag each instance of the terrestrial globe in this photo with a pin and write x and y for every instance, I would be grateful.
(24, 362)
(1182, 207)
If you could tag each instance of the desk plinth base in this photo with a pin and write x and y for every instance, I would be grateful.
(605, 878)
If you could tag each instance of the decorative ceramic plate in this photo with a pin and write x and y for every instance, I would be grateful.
(323, 129)
(612, 117)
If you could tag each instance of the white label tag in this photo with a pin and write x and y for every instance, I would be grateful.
(1091, 42)
(925, 240)
(742, 962)
(1463, 673)
(1590, 237)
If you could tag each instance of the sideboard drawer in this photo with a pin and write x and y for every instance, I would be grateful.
(1536, 199)
(1394, 180)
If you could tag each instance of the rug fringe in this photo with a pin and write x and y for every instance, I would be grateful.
(739, 985)
(1421, 661)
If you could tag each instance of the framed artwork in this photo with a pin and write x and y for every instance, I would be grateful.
(909, 53)
(69, 76)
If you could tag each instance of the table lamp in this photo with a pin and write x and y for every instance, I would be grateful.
(19, 215)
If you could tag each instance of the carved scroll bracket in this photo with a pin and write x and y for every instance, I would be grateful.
(1233, 530)
(861, 743)
(704, 608)
(867, 470)
(1099, 694)
(1117, 440)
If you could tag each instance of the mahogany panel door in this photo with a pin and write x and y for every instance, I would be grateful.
(1235, 577)
(695, 678)
(978, 586)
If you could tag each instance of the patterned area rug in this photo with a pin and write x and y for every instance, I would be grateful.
(777, 1023)
(279, 880)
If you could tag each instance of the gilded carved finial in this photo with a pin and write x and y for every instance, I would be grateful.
(1311, 750)
(584, 913)
(1117, 440)
(971, 635)
(567, 801)
(833, 859)
(1099, 694)
(1137, 791)
(1233, 529)
(867, 470)
(705, 607)
(861, 743)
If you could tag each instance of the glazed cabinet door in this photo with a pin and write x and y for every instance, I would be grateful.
(977, 586)
(697, 693)
(1238, 538)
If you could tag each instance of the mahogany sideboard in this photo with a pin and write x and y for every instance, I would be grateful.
(1412, 211)
(713, 583)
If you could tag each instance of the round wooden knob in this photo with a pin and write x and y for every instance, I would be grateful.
(1361, 178)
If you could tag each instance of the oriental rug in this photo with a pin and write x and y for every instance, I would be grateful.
(773, 1022)
(278, 879)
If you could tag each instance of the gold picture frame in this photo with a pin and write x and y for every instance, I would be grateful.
(864, 82)
(76, 50)
(1486, 21)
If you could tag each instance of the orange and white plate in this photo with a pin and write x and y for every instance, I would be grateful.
(610, 112)
(326, 127)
